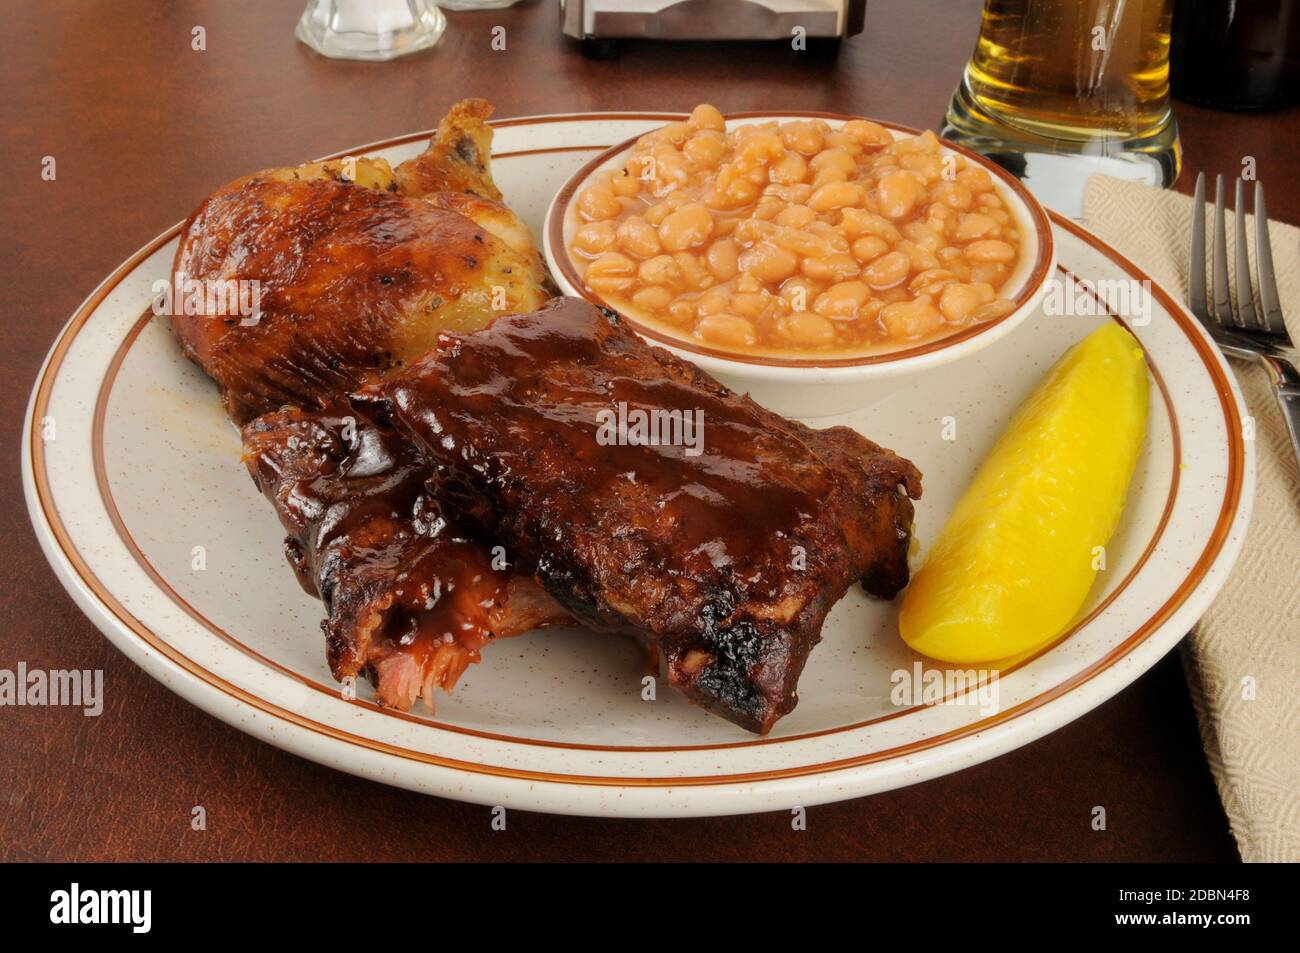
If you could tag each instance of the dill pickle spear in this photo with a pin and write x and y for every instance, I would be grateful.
(1014, 563)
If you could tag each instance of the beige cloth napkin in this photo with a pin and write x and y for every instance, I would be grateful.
(1252, 631)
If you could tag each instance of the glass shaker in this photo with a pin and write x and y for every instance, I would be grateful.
(370, 29)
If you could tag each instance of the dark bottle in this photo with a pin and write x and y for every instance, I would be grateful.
(1236, 54)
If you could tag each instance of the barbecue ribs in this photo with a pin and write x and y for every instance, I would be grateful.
(724, 556)
(411, 596)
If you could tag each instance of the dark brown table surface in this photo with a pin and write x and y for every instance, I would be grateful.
(143, 127)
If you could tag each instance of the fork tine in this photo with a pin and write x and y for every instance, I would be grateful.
(1270, 308)
(1245, 299)
(1219, 292)
(1196, 254)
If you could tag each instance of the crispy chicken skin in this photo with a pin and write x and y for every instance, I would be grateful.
(725, 560)
(457, 157)
(357, 266)
(411, 596)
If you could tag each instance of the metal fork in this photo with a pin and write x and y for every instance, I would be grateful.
(1242, 330)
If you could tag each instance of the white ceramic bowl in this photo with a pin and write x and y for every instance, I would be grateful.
(813, 387)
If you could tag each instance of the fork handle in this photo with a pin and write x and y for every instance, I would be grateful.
(1286, 387)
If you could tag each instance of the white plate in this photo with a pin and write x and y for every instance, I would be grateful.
(129, 464)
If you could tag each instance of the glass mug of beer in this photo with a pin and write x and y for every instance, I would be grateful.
(1058, 89)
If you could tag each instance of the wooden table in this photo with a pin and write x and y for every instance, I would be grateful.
(142, 127)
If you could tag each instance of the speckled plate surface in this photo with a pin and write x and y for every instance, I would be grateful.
(129, 464)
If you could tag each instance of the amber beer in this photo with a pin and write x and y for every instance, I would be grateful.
(1088, 78)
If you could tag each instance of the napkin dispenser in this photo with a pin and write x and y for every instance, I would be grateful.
(600, 24)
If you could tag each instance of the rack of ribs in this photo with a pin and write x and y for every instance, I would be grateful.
(411, 596)
(722, 550)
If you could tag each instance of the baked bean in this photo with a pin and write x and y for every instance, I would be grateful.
(759, 149)
(655, 214)
(939, 215)
(722, 259)
(675, 133)
(835, 195)
(897, 193)
(990, 250)
(796, 236)
(682, 312)
(830, 235)
(768, 262)
(750, 304)
(670, 170)
(687, 227)
(931, 281)
(836, 267)
(868, 133)
(768, 207)
(918, 257)
(611, 272)
(975, 179)
(828, 177)
(660, 270)
(790, 169)
(726, 330)
(800, 292)
(843, 142)
(713, 301)
(928, 167)
(731, 193)
(869, 248)
(911, 319)
(927, 141)
(958, 300)
(640, 167)
(803, 137)
(795, 216)
(598, 203)
(860, 222)
(594, 238)
(974, 225)
(919, 233)
(801, 241)
(705, 116)
(705, 149)
(753, 230)
(652, 297)
(997, 308)
(887, 270)
(795, 194)
(638, 238)
(953, 195)
(693, 272)
(843, 299)
(991, 273)
(809, 330)
(625, 186)
(832, 159)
